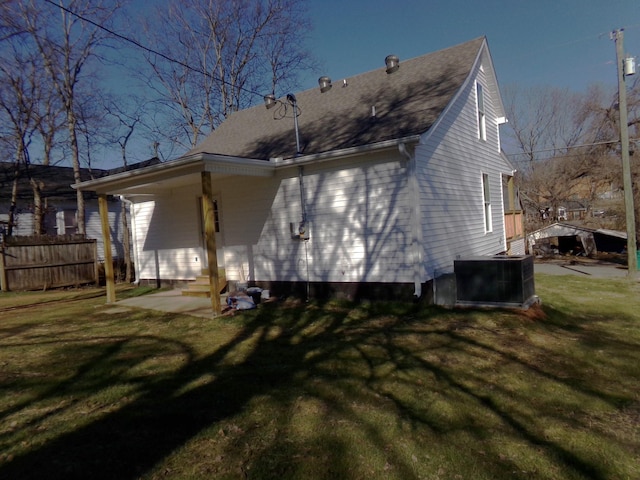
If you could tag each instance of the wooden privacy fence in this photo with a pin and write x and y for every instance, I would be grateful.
(41, 262)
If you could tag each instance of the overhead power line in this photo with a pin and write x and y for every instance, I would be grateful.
(148, 49)
(570, 147)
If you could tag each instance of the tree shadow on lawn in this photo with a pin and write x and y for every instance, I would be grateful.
(436, 374)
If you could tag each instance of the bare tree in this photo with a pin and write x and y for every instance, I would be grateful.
(552, 130)
(567, 148)
(9, 26)
(50, 121)
(126, 124)
(232, 52)
(67, 43)
(20, 83)
(127, 114)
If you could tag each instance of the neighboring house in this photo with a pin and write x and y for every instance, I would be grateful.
(572, 210)
(399, 172)
(59, 203)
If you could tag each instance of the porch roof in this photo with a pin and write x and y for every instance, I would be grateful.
(176, 173)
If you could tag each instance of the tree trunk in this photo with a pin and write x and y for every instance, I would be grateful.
(75, 158)
(38, 216)
(14, 199)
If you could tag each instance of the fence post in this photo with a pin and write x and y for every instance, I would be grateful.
(3, 273)
(96, 263)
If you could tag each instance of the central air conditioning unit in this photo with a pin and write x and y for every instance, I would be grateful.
(495, 281)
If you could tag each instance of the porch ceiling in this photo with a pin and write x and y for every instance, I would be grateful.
(158, 185)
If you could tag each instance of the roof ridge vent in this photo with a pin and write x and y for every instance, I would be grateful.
(392, 62)
(325, 84)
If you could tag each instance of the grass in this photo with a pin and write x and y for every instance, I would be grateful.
(323, 391)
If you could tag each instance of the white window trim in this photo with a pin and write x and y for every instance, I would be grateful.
(486, 203)
(481, 114)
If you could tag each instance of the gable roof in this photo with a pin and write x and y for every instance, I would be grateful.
(407, 103)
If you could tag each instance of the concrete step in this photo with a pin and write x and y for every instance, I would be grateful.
(195, 293)
(200, 286)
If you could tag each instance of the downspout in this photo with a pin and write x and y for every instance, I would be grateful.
(132, 217)
(303, 223)
(302, 195)
(416, 230)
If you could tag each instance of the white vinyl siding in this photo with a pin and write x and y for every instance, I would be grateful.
(450, 162)
(517, 247)
(93, 227)
(168, 236)
(23, 223)
(358, 223)
(358, 220)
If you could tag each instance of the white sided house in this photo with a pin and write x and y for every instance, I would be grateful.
(58, 202)
(396, 173)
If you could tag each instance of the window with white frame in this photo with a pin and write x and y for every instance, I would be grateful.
(67, 222)
(486, 196)
(482, 122)
(216, 216)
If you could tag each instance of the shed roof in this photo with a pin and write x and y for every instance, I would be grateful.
(406, 103)
(564, 229)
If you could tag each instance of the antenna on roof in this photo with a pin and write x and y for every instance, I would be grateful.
(270, 102)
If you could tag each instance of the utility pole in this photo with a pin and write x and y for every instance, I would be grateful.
(632, 260)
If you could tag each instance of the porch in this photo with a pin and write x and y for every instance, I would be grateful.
(197, 175)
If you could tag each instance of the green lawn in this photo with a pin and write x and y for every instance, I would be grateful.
(323, 391)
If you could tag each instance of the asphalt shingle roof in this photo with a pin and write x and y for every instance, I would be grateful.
(407, 102)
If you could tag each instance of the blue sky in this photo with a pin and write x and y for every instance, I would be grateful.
(557, 43)
(562, 43)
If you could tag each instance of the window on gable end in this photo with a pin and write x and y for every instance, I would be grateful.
(486, 196)
(482, 122)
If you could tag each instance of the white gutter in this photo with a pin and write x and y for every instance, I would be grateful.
(416, 228)
(224, 164)
(134, 238)
(344, 152)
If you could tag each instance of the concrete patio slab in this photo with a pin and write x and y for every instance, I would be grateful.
(172, 301)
